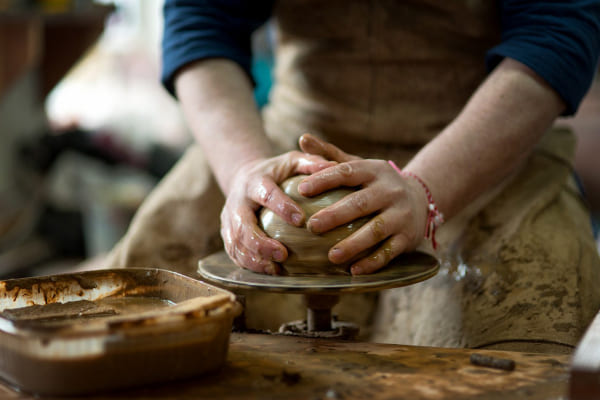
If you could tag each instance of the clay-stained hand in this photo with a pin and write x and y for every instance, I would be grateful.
(255, 185)
(399, 206)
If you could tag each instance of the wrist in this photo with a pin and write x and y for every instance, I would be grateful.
(433, 216)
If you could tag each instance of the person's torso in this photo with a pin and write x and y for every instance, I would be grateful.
(385, 71)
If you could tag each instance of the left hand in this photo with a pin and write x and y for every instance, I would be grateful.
(399, 205)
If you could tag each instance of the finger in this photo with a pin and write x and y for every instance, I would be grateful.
(245, 258)
(313, 145)
(308, 163)
(237, 253)
(369, 235)
(268, 194)
(354, 205)
(258, 243)
(353, 173)
(247, 245)
(391, 248)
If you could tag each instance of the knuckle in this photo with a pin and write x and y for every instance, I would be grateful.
(378, 228)
(373, 259)
(266, 194)
(387, 251)
(398, 192)
(409, 238)
(408, 229)
(345, 169)
(268, 197)
(381, 164)
(360, 202)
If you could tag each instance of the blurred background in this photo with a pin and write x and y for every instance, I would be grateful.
(86, 129)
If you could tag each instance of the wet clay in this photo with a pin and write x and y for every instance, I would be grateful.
(61, 314)
(307, 251)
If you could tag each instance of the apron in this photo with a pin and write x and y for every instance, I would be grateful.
(380, 79)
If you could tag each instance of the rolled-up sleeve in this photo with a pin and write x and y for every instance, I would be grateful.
(196, 30)
(559, 40)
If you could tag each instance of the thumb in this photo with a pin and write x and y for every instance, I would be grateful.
(313, 145)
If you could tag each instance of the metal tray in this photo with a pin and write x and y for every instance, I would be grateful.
(101, 330)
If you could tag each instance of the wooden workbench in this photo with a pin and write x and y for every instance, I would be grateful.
(283, 367)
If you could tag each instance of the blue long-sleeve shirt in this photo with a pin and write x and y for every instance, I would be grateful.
(559, 40)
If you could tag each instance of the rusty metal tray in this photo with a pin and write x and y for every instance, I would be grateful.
(101, 330)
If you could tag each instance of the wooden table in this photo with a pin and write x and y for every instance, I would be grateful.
(284, 367)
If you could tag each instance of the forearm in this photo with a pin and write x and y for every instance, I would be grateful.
(218, 104)
(493, 135)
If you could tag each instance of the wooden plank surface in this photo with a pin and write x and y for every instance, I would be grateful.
(283, 367)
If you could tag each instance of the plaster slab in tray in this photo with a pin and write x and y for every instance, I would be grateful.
(100, 330)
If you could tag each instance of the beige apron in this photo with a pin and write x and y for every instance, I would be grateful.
(379, 79)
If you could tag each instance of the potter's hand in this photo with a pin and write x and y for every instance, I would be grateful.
(255, 185)
(399, 206)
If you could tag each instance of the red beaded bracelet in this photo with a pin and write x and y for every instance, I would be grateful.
(434, 217)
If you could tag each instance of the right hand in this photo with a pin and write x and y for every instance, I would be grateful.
(255, 185)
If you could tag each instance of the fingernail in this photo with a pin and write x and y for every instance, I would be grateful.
(356, 270)
(278, 255)
(313, 225)
(304, 187)
(297, 218)
(336, 253)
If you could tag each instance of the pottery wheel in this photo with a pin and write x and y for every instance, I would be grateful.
(321, 291)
